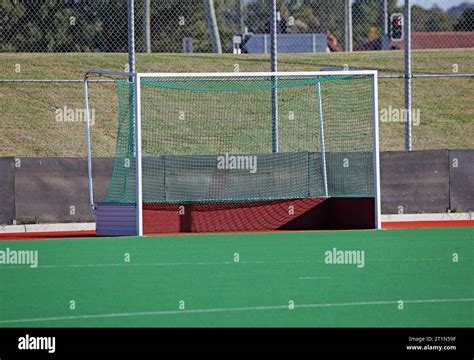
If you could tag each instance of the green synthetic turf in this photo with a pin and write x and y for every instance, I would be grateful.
(274, 268)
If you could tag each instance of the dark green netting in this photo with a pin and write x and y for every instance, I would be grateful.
(210, 139)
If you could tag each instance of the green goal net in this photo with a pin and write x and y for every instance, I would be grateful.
(209, 139)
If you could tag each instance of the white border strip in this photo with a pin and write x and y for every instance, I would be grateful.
(32, 228)
(427, 217)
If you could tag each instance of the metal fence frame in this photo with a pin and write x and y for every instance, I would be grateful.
(216, 46)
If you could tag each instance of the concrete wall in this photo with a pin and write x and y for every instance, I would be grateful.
(48, 190)
(431, 181)
(414, 182)
(55, 189)
(7, 190)
(461, 179)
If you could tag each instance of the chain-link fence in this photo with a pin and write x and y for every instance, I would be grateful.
(64, 26)
(57, 40)
(206, 26)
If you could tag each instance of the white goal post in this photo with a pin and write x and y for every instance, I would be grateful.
(138, 78)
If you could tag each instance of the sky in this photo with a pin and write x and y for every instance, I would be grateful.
(443, 4)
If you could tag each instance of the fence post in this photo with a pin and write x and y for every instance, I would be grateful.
(241, 16)
(212, 25)
(274, 68)
(348, 25)
(131, 36)
(147, 27)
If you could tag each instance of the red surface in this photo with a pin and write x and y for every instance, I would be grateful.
(248, 216)
(443, 40)
(299, 214)
(385, 225)
(440, 40)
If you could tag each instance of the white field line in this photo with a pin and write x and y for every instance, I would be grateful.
(223, 310)
(314, 278)
(422, 259)
(160, 264)
(27, 266)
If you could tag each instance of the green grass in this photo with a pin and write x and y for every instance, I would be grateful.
(413, 266)
(28, 126)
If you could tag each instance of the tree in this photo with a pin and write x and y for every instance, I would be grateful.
(430, 20)
(466, 21)
(12, 15)
(40, 26)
